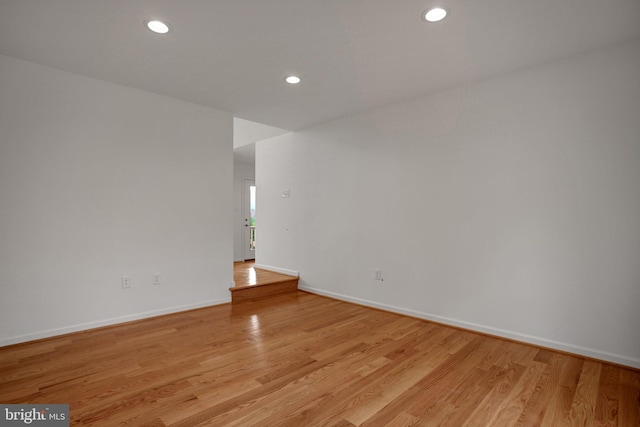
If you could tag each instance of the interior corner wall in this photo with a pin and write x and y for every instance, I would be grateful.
(241, 171)
(510, 206)
(100, 181)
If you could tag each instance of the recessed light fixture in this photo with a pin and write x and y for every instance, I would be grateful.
(434, 14)
(293, 80)
(158, 26)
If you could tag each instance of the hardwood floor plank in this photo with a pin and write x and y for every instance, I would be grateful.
(303, 360)
(388, 388)
(332, 393)
(558, 411)
(495, 399)
(535, 408)
(234, 408)
(342, 423)
(451, 406)
(629, 414)
(420, 399)
(339, 401)
(473, 389)
(508, 411)
(584, 402)
(404, 420)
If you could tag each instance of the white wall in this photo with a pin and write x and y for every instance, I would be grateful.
(511, 206)
(241, 171)
(99, 181)
(246, 132)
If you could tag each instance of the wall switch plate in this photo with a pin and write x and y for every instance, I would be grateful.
(126, 282)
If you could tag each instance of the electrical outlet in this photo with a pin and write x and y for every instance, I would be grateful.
(156, 279)
(126, 282)
(378, 275)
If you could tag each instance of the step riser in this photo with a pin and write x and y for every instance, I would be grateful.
(261, 291)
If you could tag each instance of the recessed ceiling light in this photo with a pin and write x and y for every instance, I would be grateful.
(294, 80)
(158, 27)
(434, 14)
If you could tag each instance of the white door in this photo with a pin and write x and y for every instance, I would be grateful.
(249, 219)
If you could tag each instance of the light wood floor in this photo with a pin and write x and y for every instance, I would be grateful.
(304, 360)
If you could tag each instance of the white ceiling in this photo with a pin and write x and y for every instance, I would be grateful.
(351, 54)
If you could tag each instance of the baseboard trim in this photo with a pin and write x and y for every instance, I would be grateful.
(501, 333)
(277, 270)
(109, 322)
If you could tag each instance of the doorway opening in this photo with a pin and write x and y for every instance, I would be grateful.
(249, 216)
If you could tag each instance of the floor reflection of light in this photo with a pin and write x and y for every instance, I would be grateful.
(255, 321)
(252, 277)
(255, 334)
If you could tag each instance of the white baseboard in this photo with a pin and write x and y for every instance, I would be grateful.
(277, 270)
(108, 322)
(515, 336)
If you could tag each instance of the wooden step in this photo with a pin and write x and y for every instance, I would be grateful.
(255, 283)
(262, 290)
